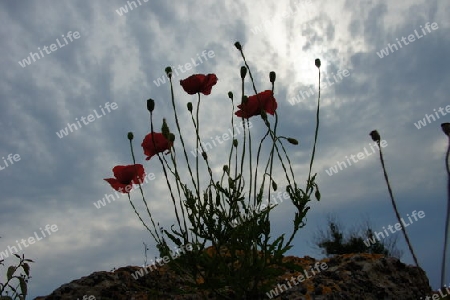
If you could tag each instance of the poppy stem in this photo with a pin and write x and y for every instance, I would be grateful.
(181, 137)
(257, 164)
(447, 219)
(394, 205)
(232, 146)
(245, 135)
(197, 132)
(199, 142)
(145, 225)
(249, 72)
(273, 135)
(308, 185)
(143, 197)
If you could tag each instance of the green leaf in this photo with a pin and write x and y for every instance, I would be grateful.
(26, 269)
(10, 272)
(221, 189)
(23, 286)
(231, 183)
(177, 241)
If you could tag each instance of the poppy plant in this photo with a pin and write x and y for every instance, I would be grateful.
(196, 203)
(199, 83)
(261, 101)
(126, 176)
(154, 143)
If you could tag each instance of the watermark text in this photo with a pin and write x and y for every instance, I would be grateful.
(395, 228)
(34, 55)
(11, 158)
(281, 288)
(86, 120)
(340, 165)
(411, 38)
(11, 250)
(186, 67)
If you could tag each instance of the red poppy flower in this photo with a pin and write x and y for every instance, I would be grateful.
(199, 83)
(154, 143)
(126, 176)
(261, 101)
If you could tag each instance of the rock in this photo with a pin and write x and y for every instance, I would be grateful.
(348, 276)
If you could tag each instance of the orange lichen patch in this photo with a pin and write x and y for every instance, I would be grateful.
(163, 269)
(288, 277)
(237, 264)
(211, 251)
(327, 259)
(309, 286)
(303, 262)
(327, 290)
(138, 295)
(200, 280)
(336, 287)
(372, 256)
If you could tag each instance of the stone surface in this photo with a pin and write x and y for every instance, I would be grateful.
(349, 276)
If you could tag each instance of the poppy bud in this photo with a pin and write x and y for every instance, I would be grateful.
(217, 199)
(165, 129)
(235, 143)
(317, 194)
(225, 168)
(231, 183)
(150, 105)
(375, 136)
(243, 72)
(171, 137)
(189, 106)
(169, 72)
(446, 128)
(130, 136)
(264, 115)
(238, 46)
(205, 157)
(230, 95)
(272, 76)
(317, 62)
(292, 141)
(274, 185)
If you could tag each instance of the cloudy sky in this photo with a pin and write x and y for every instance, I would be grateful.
(63, 62)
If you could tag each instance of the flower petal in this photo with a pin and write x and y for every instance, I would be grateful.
(199, 83)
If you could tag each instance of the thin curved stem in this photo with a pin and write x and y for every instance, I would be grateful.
(181, 137)
(395, 206)
(143, 199)
(197, 128)
(165, 172)
(315, 139)
(447, 219)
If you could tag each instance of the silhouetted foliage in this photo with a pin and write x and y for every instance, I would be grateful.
(334, 241)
